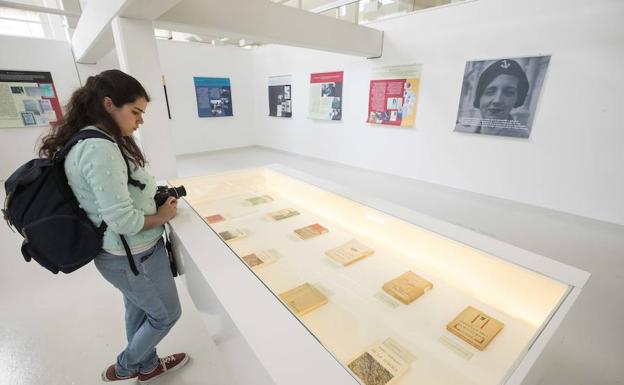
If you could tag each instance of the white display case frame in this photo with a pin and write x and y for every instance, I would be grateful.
(275, 346)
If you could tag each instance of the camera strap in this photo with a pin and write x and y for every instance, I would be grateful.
(169, 248)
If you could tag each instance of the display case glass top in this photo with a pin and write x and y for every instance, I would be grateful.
(393, 298)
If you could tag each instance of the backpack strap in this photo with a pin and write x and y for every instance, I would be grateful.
(60, 156)
(129, 255)
(131, 180)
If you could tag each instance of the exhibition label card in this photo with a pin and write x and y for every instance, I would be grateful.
(28, 98)
(382, 364)
(350, 252)
(303, 299)
(475, 327)
(232, 235)
(407, 287)
(283, 214)
(393, 95)
(214, 218)
(259, 200)
(280, 96)
(214, 97)
(260, 259)
(310, 231)
(325, 100)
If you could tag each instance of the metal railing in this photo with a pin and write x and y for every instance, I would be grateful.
(363, 11)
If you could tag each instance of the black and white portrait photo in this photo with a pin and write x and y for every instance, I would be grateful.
(500, 97)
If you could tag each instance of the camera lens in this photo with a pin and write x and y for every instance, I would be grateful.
(178, 192)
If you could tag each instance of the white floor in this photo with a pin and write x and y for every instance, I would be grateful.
(66, 329)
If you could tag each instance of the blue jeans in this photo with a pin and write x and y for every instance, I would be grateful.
(151, 300)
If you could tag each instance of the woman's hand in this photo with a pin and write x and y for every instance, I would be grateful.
(168, 210)
(164, 214)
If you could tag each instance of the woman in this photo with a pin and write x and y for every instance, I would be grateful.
(114, 103)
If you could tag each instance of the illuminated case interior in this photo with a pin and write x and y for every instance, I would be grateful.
(359, 313)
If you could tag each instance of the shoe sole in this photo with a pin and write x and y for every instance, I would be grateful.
(105, 379)
(178, 366)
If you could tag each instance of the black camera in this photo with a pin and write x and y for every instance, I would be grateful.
(164, 192)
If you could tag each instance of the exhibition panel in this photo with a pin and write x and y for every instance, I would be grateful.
(394, 296)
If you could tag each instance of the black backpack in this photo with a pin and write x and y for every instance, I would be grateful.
(41, 206)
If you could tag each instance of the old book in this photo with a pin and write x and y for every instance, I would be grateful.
(214, 218)
(350, 252)
(260, 259)
(303, 299)
(310, 231)
(258, 200)
(475, 327)
(232, 235)
(407, 287)
(283, 214)
(381, 364)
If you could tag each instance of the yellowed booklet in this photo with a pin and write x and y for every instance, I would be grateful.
(232, 235)
(258, 200)
(310, 231)
(475, 327)
(283, 214)
(382, 364)
(303, 299)
(407, 287)
(350, 252)
(260, 259)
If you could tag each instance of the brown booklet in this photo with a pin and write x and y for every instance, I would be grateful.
(214, 218)
(350, 252)
(310, 231)
(475, 327)
(407, 287)
(260, 259)
(381, 364)
(283, 214)
(303, 299)
(232, 235)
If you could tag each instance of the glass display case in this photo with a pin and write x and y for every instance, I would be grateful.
(394, 296)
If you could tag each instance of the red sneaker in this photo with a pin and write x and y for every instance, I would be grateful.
(111, 375)
(166, 364)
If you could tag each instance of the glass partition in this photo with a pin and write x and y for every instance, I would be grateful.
(393, 302)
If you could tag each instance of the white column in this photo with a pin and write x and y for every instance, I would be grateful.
(138, 56)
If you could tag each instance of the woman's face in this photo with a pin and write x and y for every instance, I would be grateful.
(499, 97)
(129, 116)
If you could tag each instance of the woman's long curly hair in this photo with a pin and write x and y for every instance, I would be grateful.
(86, 108)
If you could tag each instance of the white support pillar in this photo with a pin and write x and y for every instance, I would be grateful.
(138, 56)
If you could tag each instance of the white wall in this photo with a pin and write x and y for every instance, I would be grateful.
(107, 62)
(17, 145)
(180, 62)
(573, 160)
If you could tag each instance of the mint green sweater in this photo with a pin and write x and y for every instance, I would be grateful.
(97, 174)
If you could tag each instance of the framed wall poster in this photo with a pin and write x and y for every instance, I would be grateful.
(393, 95)
(499, 97)
(326, 96)
(28, 98)
(214, 97)
(280, 91)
